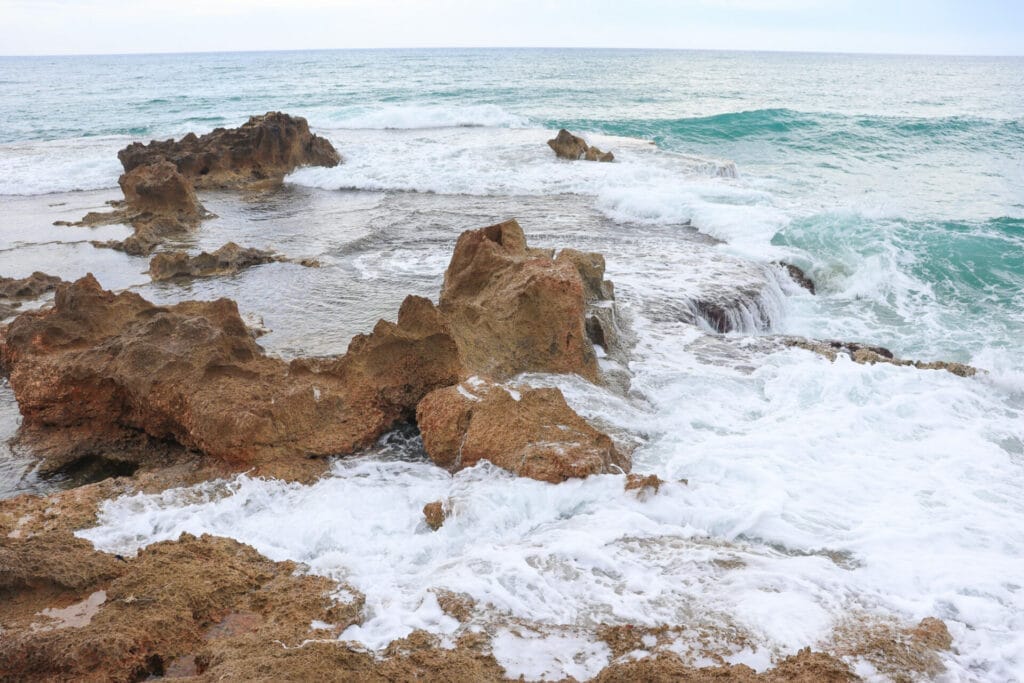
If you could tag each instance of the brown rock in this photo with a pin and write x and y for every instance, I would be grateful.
(513, 309)
(101, 371)
(569, 146)
(640, 483)
(870, 355)
(159, 202)
(435, 514)
(31, 287)
(531, 432)
(264, 149)
(230, 258)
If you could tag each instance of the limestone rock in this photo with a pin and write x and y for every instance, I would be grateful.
(101, 370)
(513, 309)
(569, 146)
(869, 355)
(530, 432)
(264, 149)
(228, 259)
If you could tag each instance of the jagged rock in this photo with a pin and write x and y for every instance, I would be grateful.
(434, 514)
(798, 276)
(101, 370)
(31, 287)
(569, 146)
(159, 202)
(870, 355)
(514, 309)
(262, 150)
(531, 432)
(230, 258)
(13, 291)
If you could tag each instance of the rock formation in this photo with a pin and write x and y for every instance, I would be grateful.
(101, 370)
(569, 146)
(159, 202)
(228, 259)
(434, 514)
(530, 432)
(262, 150)
(861, 353)
(14, 291)
(514, 309)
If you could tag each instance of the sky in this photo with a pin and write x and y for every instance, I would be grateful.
(55, 27)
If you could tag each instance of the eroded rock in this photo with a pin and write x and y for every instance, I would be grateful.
(15, 291)
(263, 150)
(864, 354)
(530, 432)
(226, 260)
(514, 309)
(569, 146)
(101, 371)
(798, 276)
(434, 514)
(159, 202)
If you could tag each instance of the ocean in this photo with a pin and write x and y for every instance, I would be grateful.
(818, 494)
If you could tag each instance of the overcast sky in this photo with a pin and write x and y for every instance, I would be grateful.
(33, 27)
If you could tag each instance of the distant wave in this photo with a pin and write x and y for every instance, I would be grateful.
(408, 117)
(788, 125)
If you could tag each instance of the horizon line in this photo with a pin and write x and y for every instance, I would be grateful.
(507, 47)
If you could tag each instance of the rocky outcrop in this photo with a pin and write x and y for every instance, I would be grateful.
(861, 353)
(15, 291)
(262, 150)
(31, 287)
(226, 260)
(530, 432)
(159, 202)
(569, 146)
(514, 309)
(101, 370)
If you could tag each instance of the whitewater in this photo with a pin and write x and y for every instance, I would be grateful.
(803, 495)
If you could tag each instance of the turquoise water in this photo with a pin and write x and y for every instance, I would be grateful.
(897, 183)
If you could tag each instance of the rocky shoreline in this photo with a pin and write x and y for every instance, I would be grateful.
(172, 395)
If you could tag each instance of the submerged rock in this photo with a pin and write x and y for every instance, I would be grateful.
(230, 258)
(798, 276)
(101, 370)
(262, 150)
(569, 146)
(861, 353)
(434, 514)
(514, 309)
(530, 432)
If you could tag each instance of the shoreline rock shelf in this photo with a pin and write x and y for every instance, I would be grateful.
(104, 373)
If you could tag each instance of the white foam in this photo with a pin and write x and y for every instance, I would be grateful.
(411, 116)
(549, 657)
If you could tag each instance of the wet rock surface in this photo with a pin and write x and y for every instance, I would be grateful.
(159, 202)
(226, 260)
(514, 309)
(15, 291)
(569, 146)
(262, 150)
(798, 276)
(530, 432)
(869, 355)
(102, 371)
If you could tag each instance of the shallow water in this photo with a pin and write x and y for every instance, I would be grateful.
(817, 491)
